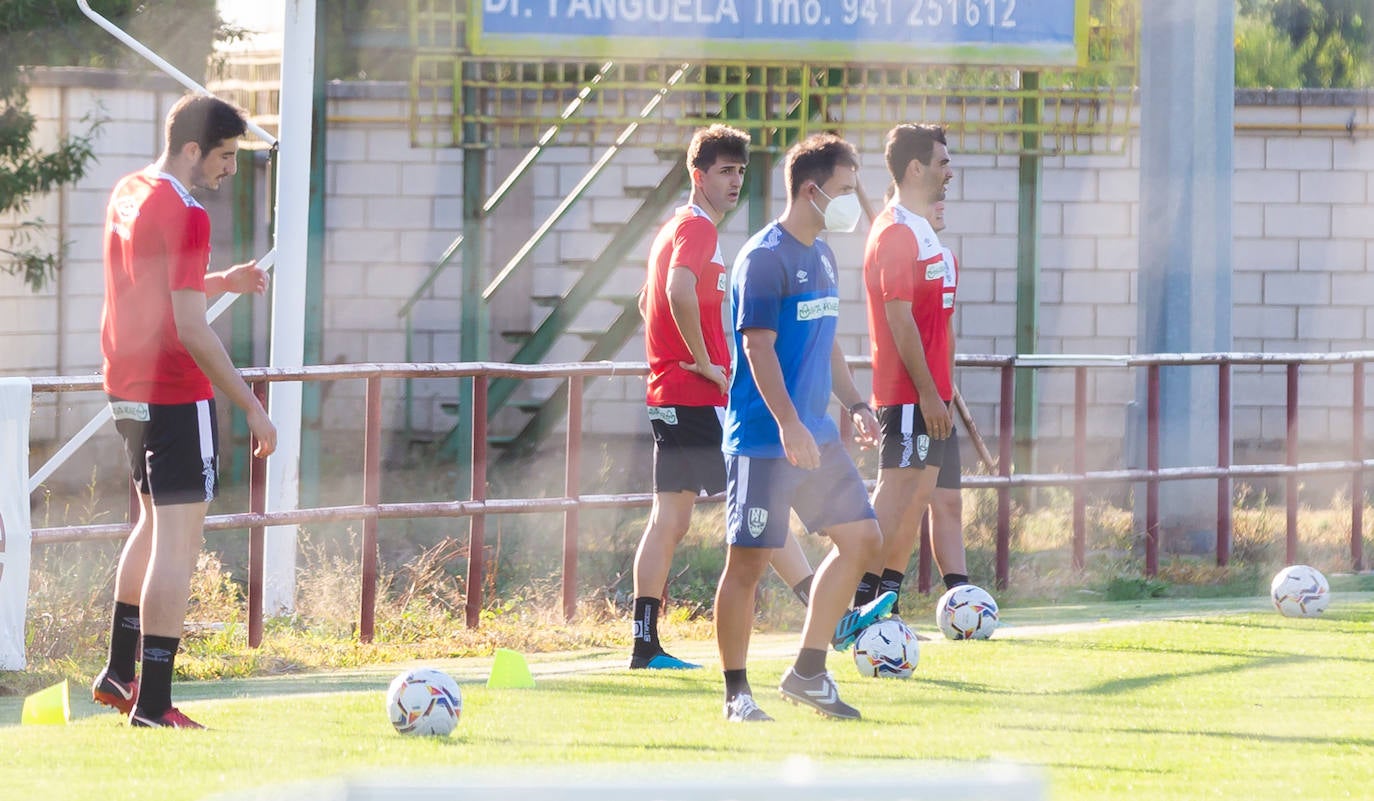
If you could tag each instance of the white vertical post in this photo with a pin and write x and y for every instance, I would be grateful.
(15, 407)
(288, 299)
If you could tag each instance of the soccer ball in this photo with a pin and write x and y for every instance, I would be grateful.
(1300, 591)
(424, 701)
(886, 649)
(966, 612)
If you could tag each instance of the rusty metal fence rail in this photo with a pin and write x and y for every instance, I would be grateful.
(478, 507)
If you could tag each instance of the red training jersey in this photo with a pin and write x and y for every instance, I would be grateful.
(157, 241)
(903, 260)
(688, 240)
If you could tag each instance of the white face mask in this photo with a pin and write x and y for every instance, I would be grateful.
(843, 213)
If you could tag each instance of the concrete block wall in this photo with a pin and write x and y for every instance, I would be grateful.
(1304, 255)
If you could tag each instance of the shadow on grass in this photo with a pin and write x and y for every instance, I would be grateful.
(1253, 737)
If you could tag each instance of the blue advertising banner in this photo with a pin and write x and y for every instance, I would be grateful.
(993, 32)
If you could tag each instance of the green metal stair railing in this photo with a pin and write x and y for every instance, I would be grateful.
(545, 141)
(585, 290)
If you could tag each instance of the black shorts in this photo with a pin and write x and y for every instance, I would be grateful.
(173, 449)
(687, 456)
(903, 442)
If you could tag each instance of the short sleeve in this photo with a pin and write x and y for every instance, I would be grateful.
(694, 247)
(188, 251)
(759, 290)
(895, 256)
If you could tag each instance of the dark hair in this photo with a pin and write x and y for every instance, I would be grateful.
(205, 120)
(815, 159)
(911, 141)
(710, 144)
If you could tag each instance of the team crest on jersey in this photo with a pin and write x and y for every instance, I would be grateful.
(922, 446)
(758, 521)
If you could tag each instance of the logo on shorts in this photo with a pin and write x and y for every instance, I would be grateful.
(666, 414)
(907, 446)
(130, 410)
(922, 446)
(207, 471)
(758, 521)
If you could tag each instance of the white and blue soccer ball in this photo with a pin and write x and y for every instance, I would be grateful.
(424, 701)
(966, 612)
(887, 649)
(1300, 591)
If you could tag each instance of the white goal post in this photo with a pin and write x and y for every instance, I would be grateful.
(15, 399)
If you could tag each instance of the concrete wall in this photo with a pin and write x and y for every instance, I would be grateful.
(1304, 256)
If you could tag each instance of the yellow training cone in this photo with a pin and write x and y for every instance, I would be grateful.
(509, 669)
(47, 707)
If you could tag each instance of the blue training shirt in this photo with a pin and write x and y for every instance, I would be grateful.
(782, 285)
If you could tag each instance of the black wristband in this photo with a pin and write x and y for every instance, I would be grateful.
(853, 410)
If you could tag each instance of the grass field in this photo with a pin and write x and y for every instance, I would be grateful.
(1158, 699)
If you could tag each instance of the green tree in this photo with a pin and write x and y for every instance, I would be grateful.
(1265, 56)
(1332, 39)
(44, 32)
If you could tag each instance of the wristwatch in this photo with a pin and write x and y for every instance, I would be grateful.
(853, 410)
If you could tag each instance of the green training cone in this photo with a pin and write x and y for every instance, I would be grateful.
(47, 707)
(509, 669)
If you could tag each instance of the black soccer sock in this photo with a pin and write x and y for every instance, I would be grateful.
(892, 582)
(155, 688)
(953, 580)
(810, 663)
(802, 590)
(646, 627)
(736, 683)
(868, 589)
(124, 634)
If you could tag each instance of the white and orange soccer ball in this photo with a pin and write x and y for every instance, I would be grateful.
(966, 612)
(1300, 591)
(424, 701)
(887, 649)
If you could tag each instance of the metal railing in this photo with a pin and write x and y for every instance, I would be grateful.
(478, 507)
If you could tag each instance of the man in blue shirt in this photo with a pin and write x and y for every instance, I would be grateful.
(782, 448)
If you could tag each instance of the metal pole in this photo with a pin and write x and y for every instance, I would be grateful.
(1028, 270)
(372, 495)
(477, 526)
(572, 489)
(1291, 480)
(257, 504)
(472, 340)
(1224, 460)
(1080, 465)
(1005, 432)
(289, 294)
(1357, 477)
(241, 346)
(313, 335)
(1152, 464)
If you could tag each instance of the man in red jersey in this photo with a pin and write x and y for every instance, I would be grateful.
(689, 368)
(910, 333)
(162, 365)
